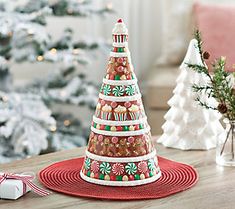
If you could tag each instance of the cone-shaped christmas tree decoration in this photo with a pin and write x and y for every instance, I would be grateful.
(120, 151)
(189, 125)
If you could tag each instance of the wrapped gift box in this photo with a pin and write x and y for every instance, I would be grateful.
(13, 189)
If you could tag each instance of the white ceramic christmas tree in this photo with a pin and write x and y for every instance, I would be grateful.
(188, 125)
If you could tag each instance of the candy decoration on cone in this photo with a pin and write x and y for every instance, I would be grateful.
(120, 151)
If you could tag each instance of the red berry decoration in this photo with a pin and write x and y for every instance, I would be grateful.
(146, 175)
(119, 128)
(102, 127)
(96, 175)
(128, 77)
(131, 178)
(111, 77)
(120, 20)
(137, 127)
(112, 178)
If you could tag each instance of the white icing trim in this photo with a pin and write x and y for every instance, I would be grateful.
(120, 183)
(120, 99)
(119, 123)
(121, 133)
(119, 82)
(122, 33)
(119, 54)
(120, 159)
(122, 44)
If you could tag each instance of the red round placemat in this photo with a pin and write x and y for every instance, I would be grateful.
(65, 177)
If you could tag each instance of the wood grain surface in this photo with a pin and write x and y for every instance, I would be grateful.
(215, 189)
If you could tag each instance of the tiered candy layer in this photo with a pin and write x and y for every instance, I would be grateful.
(116, 172)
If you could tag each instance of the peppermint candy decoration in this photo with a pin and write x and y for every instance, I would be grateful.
(106, 89)
(130, 91)
(118, 169)
(87, 163)
(95, 166)
(105, 168)
(118, 91)
(151, 165)
(131, 168)
(142, 167)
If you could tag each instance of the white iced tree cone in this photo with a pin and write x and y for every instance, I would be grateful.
(120, 151)
(189, 125)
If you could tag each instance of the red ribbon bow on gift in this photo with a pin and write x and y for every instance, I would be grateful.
(27, 181)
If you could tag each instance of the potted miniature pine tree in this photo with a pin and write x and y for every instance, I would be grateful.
(220, 85)
(189, 126)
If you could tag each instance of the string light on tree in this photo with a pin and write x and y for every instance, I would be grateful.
(40, 58)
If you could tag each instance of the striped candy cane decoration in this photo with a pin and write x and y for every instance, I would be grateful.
(120, 38)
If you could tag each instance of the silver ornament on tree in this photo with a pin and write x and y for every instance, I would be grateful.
(189, 126)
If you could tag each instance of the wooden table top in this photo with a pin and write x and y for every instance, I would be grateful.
(215, 189)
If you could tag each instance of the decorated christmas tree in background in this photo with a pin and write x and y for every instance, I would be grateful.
(120, 151)
(27, 123)
(188, 125)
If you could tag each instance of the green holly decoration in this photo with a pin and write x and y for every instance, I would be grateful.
(119, 178)
(117, 77)
(88, 173)
(94, 124)
(126, 128)
(151, 165)
(137, 177)
(120, 49)
(131, 168)
(105, 168)
(107, 128)
(141, 126)
(106, 89)
(87, 163)
(101, 176)
(130, 91)
(118, 91)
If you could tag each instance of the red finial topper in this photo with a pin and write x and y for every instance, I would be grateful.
(120, 21)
